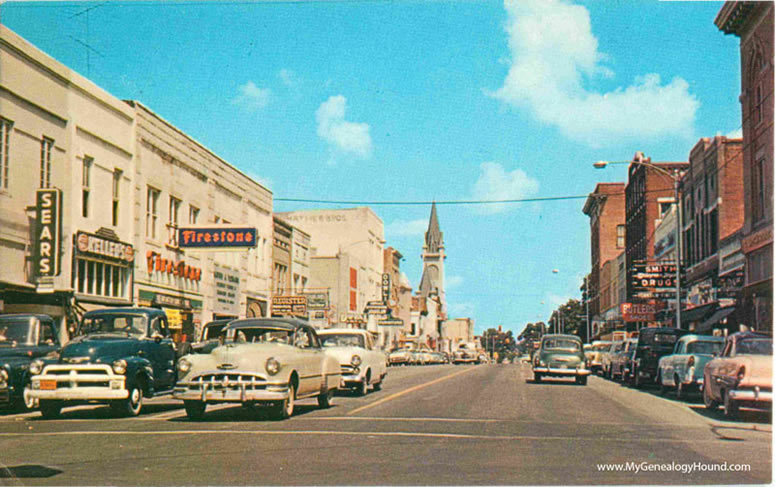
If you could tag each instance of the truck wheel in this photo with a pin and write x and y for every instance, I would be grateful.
(132, 405)
(581, 380)
(50, 409)
(195, 410)
(536, 377)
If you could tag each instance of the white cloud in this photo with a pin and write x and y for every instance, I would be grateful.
(461, 310)
(288, 77)
(251, 97)
(406, 228)
(495, 183)
(553, 50)
(451, 282)
(735, 134)
(348, 137)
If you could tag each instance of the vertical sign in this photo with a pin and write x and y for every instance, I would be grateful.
(385, 287)
(48, 232)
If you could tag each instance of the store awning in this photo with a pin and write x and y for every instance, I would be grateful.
(697, 314)
(715, 318)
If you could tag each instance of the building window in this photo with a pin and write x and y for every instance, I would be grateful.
(620, 236)
(116, 194)
(5, 139)
(86, 185)
(172, 223)
(151, 212)
(193, 214)
(102, 279)
(758, 186)
(46, 145)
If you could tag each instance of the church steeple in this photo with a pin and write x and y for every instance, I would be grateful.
(433, 256)
(434, 239)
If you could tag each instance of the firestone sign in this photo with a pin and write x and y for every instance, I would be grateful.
(217, 237)
(48, 232)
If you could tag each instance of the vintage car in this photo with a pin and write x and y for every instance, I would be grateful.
(652, 345)
(266, 361)
(606, 356)
(683, 369)
(361, 362)
(23, 338)
(119, 357)
(400, 356)
(619, 367)
(595, 355)
(741, 375)
(211, 333)
(466, 353)
(560, 356)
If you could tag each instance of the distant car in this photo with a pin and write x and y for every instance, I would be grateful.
(607, 356)
(741, 375)
(212, 332)
(119, 357)
(268, 361)
(683, 369)
(595, 355)
(560, 356)
(466, 354)
(23, 338)
(620, 361)
(652, 344)
(400, 356)
(362, 363)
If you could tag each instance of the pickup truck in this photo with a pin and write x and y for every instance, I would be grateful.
(119, 357)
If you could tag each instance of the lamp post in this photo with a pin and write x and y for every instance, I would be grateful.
(676, 177)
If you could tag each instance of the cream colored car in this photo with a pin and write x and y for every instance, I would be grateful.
(362, 362)
(270, 361)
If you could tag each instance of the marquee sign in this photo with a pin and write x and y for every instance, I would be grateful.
(639, 312)
(289, 305)
(88, 243)
(48, 232)
(216, 237)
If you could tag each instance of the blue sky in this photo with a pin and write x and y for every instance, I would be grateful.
(423, 100)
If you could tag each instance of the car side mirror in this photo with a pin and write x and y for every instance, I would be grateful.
(156, 336)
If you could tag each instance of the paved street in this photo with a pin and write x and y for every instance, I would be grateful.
(482, 425)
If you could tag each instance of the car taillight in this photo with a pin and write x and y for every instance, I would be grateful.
(691, 361)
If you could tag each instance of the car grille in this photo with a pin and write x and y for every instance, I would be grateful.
(221, 381)
(83, 376)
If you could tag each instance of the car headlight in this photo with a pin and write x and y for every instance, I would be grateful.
(3, 375)
(355, 361)
(184, 366)
(119, 366)
(272, 366)
(36, 367)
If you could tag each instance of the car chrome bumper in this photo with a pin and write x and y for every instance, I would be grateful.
(81, 394)
(754, 395)
(233, 392)
(87, 382)
(351, 380)
(556, 371)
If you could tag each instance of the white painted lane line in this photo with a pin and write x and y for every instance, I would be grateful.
(411, 389)
(412, 434)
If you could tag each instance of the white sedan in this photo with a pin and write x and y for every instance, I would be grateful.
(362, 362)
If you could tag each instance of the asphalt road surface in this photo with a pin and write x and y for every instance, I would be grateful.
(437, 425)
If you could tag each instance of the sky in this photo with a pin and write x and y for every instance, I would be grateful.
(415, 101)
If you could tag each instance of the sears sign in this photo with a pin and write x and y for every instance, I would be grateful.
(48, 232)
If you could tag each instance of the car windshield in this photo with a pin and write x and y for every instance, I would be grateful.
(341, 340)
(130, 324)
(561, 344)
(14, 331)
(755, 346)
(664, 339)
(212, 331)
(259, 335)
(707, 348)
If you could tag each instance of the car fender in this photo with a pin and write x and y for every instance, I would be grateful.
(139, 367)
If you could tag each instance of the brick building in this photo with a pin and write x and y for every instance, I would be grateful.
(752, 22)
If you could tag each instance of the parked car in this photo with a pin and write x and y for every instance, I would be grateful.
(620, 360)
(362, 363)
(741, 375)
(400, 356)
(607, 356)
(560, 356)
(23, 338)
(212, 332)
(268, 361)
(683, 369)
(120, 356)
(466, 353)
(652, 344)
(595, 355)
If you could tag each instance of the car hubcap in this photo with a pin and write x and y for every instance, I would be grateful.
(134, 397)
(289, 402)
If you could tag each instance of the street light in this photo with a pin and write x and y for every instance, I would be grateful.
(676, 177)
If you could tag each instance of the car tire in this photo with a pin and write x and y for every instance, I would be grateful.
(50, 409)
(662, 386)
(679, 389)
(195, 410)
(25, 402)
(378, 385)
(581, 380)
(284, 409)
(363, 387)
(710, 404)
(536, 378)
(731, 407)
(636, 381)
(326, 399)
(132, 405)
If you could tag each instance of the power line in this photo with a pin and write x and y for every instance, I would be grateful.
(448, 202)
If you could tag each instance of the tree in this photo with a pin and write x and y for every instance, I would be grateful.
(570, 318)
(500, 342)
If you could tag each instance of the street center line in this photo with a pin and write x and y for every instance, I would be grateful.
(407, 391)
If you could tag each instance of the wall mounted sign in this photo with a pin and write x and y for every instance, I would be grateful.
(48, 232)
(87, 243)
(217, 237)
(156, 263)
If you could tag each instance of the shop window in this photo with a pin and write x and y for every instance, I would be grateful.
(46, 145)
(5, 143)
(101, 279)
(151, 212)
